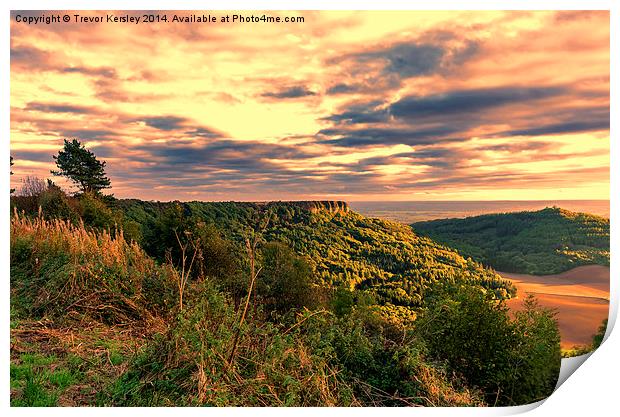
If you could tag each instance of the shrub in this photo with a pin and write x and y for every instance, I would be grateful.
(536, 358)
(55, 204)
(96, 213)
(512, 361)
(285, 281)
(188, 365)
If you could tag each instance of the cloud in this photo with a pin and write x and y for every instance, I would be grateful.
(469, 101)
(164, 122)
(87, 133)
(204, 133)
(224, 153)
(454, 103)
(361, 113)
(31, 155)
(388, 136)
(29, 57)
(561, 128)
(291, 92)
(58, 108)
(98, 72)
(407, 59)
(342, 89)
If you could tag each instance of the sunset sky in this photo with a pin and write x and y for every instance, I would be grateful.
(346, 105)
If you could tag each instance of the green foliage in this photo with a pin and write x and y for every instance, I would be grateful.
(544, 242)
(55, 204)
(320, 360)
(512, 361)
(598, 338)
(188, 365)
(371, 336)
(81, 166)
(36, 384)
(94, 212)
(536, 356)
(285, 280)
(344, 248)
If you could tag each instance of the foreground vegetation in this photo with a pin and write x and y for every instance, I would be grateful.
(244, 304)
(544, 242)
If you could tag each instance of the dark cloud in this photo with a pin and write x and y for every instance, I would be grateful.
(463, 178)
(164, 122)
(87, 133)
(57, 108)
(30, 56)
(560, 128)
(518, 147)
(98, 72)
(361, 113)
(389, 136)
(291, 92)
(469, 101)
(407, 59)
(204, 133)
(573, 15)
(342, 89)
(38, 156)
(461, 55)
(224, 154)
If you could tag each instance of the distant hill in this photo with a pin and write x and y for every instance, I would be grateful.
(345, 248)
(542, 242)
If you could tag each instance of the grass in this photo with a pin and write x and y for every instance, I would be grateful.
(67, 366)
(38, 380)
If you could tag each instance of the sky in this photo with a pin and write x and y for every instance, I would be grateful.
(354, 106)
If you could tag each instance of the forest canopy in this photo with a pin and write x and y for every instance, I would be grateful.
(548, 241)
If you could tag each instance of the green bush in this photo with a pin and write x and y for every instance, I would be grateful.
(189, 365)
(512, 361)
(55, 204)
(285, 281)
(96, 213)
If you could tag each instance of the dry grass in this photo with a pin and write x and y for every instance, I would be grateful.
(66, 270)
(82, 244)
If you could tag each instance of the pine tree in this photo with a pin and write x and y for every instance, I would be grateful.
(82, 167)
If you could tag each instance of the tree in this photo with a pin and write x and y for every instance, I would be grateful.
(286, 279)
(512, 362)
(598, 338)
(82, 167)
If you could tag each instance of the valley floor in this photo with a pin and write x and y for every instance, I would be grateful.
(581, 297)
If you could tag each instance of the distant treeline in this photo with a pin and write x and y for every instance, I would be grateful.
(548, 241)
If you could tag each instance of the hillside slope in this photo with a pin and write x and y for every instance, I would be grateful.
(548, 241)
(345, 248)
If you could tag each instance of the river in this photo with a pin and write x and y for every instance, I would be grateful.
(581, 297)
